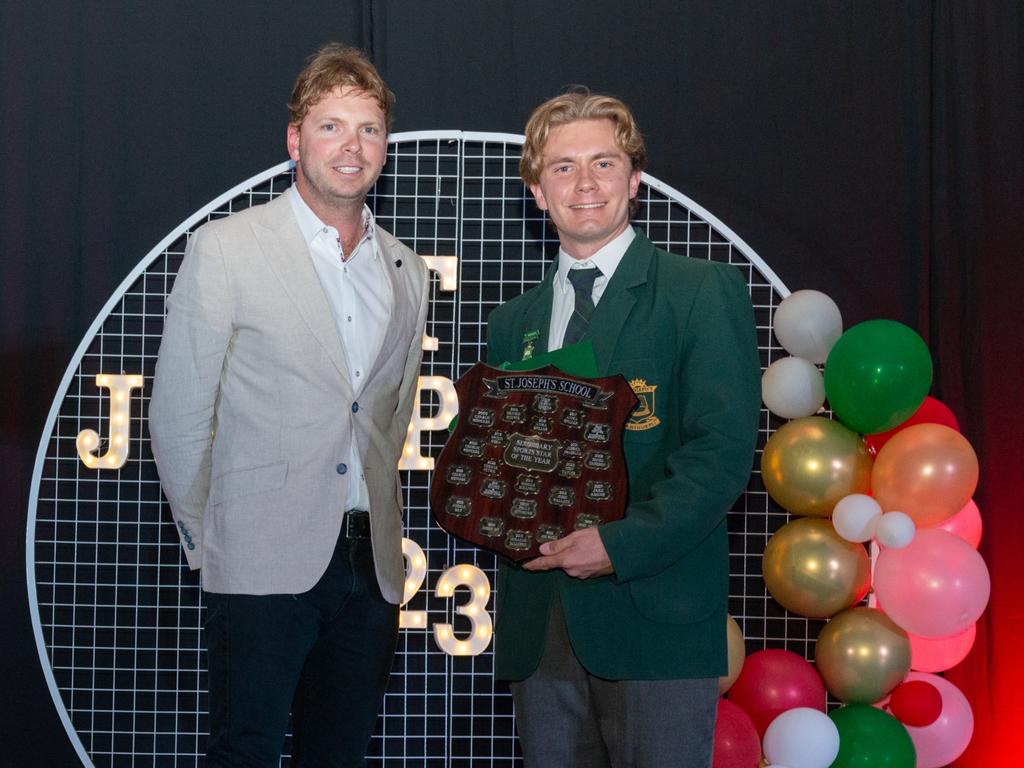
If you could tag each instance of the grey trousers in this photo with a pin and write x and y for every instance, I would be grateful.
(567, 718)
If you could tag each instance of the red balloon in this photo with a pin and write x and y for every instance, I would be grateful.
(916, 702)
(736, 741)
(773, 681)
(931, 411)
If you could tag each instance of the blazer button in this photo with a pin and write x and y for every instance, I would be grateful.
(191, 545)
(342, 469)
(355, 407)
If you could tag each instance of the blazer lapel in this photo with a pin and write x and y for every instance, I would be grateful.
(536, 318)
(396, 315)
(617, 301)
(288, 255)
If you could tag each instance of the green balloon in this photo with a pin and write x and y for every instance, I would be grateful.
(877, 375)
(871, 738)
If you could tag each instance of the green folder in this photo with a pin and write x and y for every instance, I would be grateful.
(575, 360)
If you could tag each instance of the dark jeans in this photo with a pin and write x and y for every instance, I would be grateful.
(325, 655)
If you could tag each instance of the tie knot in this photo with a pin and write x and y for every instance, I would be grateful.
(583, 279)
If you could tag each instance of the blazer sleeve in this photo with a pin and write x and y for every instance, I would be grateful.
(709, 465)
(182, 409)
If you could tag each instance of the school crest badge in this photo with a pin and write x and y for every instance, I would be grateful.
(644, 417)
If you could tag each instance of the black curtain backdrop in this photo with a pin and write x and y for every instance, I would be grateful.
(871, 150)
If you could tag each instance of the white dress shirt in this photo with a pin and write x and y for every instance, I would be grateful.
(359, 296)
(606, 259)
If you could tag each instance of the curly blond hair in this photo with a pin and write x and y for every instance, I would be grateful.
(579, 104)
(337, 66)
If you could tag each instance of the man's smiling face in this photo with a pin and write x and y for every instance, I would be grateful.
(586, 183)
(339, 149)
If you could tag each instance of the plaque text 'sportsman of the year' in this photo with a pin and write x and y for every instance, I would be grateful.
(534, 456)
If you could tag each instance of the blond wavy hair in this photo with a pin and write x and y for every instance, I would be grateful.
(579, 104)
(337, 66)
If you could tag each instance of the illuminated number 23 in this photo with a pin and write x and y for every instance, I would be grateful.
(475, 609)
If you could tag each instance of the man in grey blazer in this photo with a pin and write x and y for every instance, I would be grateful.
(284, 386)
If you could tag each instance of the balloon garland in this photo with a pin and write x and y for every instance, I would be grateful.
(890, 470)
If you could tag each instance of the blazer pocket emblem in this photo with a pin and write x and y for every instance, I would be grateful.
(644, 416)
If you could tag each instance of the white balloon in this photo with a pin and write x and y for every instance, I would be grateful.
(895, 530)
(792, 388)
(802, 738)
(855, 517)
(807, 324)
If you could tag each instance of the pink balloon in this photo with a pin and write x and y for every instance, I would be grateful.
(966, 524)
(934, 587)
(773, 681)
(937, 654)
(942, 742)
(736, 741)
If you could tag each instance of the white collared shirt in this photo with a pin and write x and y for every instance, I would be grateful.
(606, 259)
(359, 296)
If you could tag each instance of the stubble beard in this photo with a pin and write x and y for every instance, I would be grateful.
(327, 195)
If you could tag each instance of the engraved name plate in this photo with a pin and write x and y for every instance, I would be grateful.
(459, 474)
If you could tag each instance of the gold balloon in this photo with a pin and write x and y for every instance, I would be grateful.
(811, 570)
(928, 471)
(862, 655)
(809, 464)
(737, 651)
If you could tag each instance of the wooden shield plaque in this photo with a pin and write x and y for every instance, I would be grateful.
(534, 456)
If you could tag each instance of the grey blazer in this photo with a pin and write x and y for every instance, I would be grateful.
(252, 414)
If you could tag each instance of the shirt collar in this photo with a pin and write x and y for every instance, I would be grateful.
(311, 226)
(606, 259)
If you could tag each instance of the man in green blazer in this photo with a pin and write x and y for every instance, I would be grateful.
(614, 638)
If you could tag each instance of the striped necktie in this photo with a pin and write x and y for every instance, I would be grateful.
(583, 284)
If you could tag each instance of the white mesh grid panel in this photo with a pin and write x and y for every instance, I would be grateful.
(116, 613)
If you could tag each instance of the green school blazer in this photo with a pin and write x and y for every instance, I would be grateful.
(681, 331)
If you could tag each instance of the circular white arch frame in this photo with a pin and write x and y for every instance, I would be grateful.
(116, 615)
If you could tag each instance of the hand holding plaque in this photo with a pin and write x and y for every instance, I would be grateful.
(534, 456)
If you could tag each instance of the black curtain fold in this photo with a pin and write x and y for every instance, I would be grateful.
(871, 150)
(976, 284)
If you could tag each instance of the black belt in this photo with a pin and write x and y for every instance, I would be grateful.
(356, 524)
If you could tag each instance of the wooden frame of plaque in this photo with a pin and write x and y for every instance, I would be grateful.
(558, 466)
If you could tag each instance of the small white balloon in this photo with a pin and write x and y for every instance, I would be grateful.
(792, 388)
(895, 530)
(856, 516)
(802, 738)
(807, 323)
